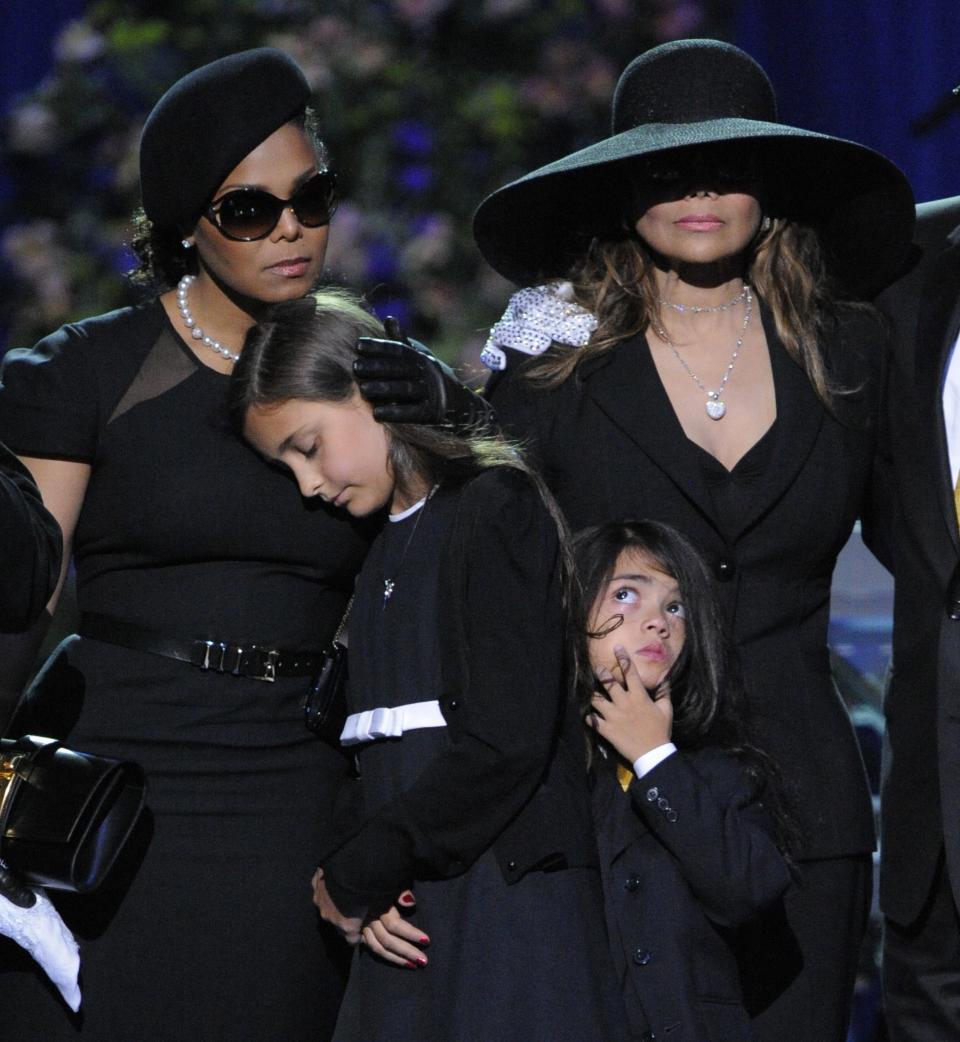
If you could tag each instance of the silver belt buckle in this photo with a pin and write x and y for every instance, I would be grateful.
(269, 673)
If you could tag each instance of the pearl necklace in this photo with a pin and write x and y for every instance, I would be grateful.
(703, 309)
(716, 408)
(190, 322)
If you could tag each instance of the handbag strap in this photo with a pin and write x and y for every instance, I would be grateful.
(343, 621)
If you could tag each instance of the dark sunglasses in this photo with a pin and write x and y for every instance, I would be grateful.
(248, 214)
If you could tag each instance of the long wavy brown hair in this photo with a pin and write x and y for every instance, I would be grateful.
(785, 265)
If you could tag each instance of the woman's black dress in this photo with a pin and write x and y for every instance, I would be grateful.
(523, 960)
(207, 931)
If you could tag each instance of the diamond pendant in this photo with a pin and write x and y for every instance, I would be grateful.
(715, 408)
(388, 585)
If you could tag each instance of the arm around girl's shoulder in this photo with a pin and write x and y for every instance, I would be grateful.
(705, 809)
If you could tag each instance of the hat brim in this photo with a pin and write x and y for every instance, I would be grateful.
(860, 203)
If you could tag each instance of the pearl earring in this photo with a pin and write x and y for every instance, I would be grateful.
(765, 224)
(186, 243)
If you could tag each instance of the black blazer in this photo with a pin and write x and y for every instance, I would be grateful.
(610, 446)
(921, 794)
(687, 857)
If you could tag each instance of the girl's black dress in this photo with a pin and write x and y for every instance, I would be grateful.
(487, 818)
(207, 932)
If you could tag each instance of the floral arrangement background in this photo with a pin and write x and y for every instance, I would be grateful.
(426, 105)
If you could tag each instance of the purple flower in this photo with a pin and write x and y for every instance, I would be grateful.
(416, 178)
(414, 138)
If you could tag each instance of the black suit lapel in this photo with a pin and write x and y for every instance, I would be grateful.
(799, 419)
(629, 391)
(647, 418)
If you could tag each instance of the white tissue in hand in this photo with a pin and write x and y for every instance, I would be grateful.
(41, 932)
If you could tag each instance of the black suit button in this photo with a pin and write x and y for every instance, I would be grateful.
(663, 804)
(453, 704)
(512, 866)
(670, 815)
(724, 569)
(641, 956)
(652, 794)
(648, 1036)
(632, 883)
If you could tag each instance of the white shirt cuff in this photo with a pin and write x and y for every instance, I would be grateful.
(645, 764)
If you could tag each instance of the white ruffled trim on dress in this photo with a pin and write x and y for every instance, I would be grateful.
(536, 317)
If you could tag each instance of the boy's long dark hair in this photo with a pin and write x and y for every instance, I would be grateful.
(710, 706)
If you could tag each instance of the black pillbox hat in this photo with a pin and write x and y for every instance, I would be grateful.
(206, 123)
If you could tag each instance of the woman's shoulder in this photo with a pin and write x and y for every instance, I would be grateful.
(115, 331)
(112, 328)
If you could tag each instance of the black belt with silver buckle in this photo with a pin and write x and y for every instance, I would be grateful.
(240, 660)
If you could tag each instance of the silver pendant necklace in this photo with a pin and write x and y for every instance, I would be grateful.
(183, 286)
(715, 406)
(389, 585)
(704, 309)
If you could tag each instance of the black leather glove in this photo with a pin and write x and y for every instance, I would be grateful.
(14, 890)
(405, 383)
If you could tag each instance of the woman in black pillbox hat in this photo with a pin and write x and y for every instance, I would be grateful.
(206, 586)
(689, 348)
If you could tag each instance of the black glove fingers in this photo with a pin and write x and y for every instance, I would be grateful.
(393, 390)
(373, 347)
(388, 369)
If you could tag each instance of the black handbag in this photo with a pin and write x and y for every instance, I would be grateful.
(325, 704)
(64, 815)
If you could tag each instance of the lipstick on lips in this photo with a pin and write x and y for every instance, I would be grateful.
(291, 268)
(653, 651)
(700, 222)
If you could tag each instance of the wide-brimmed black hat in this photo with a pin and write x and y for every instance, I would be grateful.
(207, 122)
(684, 95)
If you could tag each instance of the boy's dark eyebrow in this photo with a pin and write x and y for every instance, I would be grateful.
(639, 579)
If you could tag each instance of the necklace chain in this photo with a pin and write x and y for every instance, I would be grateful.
(704, 309)
(389, 585)
(183, 288)
(715, 406)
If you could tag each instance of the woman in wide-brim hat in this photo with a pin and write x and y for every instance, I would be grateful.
(693, 352)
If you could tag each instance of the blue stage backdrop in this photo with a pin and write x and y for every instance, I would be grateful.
(869, 70)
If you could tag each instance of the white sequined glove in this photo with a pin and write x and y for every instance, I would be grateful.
(536, 317)
(41, 932)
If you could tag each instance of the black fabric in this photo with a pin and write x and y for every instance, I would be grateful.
(30, 546)
(205, 929)
(690, 94)
(921, 793)
(920, 803)
(921, 969)
(610, 446)
(677, 888)
(207, 122)
(512, 955)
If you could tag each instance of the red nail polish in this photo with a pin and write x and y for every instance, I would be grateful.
(412, 965)
(424, 941)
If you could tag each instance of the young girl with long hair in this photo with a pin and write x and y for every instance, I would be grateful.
(692, 831)
(472, 780)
